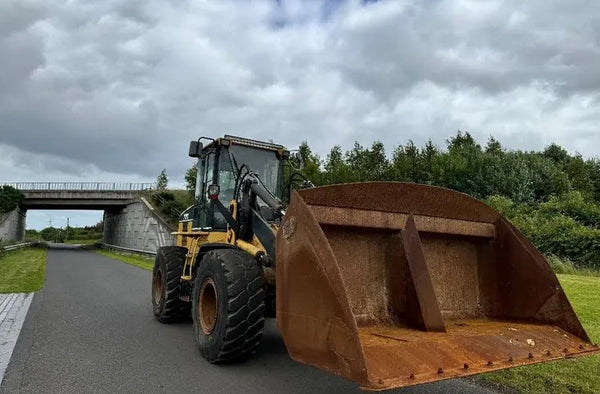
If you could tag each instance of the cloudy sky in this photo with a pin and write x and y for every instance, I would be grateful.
(114, 90)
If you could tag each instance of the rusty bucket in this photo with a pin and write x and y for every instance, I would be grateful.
(395, 284)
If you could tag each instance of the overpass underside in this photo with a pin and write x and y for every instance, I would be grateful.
(89, 200)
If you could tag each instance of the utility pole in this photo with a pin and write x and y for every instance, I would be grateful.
(67, 235)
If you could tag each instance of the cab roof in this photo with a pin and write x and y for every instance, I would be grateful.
(234, 140)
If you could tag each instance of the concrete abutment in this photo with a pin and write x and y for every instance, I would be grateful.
(12, 225)
(136, 226)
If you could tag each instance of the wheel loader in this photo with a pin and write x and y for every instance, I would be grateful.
(387, 284)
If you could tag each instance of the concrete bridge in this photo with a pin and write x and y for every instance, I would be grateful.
(129, 219)
(78, 195)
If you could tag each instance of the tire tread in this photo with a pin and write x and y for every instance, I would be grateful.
(245, 304)
(173, 259)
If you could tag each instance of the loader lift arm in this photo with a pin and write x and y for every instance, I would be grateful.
(250, 221)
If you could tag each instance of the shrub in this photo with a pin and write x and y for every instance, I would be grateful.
(10, 198)
(574, 205)
(564, 227)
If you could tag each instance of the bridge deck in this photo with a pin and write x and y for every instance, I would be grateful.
(78, 195)
(79, 186)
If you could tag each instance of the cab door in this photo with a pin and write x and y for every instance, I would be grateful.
(204, 178)
(215, 168)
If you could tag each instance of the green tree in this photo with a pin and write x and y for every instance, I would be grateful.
(311, 163)
(428, 156)
(336, 168)
(190, 179)
(403, 162)
(368, 164)
(462, 141)
(462, 167)
(594, 174)
(162, 180)
(493, 147)
(10, 198)
(578, 172)
(52, 234)
(32, 235)
(547, 177)
(376, 163)
(556, 153)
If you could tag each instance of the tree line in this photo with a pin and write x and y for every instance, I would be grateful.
(69, 233)
(464, 165)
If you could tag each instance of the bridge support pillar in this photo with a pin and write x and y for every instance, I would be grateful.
(12, 225)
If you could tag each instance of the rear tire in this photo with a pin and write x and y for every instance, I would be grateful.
(166, 285)
(228, 305)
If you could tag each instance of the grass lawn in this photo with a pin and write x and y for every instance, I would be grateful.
(138, 261)
(22, 270)
(580, 375)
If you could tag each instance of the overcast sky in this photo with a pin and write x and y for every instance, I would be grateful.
(114, 90)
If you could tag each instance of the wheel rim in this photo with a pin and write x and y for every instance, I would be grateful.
(207, 302)
(158, 286)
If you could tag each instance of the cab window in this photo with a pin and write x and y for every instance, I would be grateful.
(226, 178)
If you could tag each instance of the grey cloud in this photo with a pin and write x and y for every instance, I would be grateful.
(514, 44)
(17, 15)
(22, 55)
(122, 86)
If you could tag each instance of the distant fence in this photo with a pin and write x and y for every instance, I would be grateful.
(79, 186)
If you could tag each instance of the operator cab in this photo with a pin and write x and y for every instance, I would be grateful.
(224, 162)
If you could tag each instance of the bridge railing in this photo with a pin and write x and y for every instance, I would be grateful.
(80, 186)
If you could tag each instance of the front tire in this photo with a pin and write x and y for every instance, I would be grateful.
(166, 284)
(228, 305)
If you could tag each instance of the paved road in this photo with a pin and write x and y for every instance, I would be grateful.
(91, 330)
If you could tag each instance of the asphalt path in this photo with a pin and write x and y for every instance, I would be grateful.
(91, 330)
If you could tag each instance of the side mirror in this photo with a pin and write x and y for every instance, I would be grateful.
(195, 148)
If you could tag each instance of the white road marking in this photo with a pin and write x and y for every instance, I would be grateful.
(13, 309)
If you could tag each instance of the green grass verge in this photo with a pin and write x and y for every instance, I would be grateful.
(22, 270)
(579, 375)
(138, 261)
(566, 266)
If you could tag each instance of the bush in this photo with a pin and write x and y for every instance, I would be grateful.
(562, 236)
(502, 204)
(574, 205)
(564, 227)
(171, 203)
(52, 234)
(10, 198)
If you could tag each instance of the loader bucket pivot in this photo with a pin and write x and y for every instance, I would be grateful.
(395, 284)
